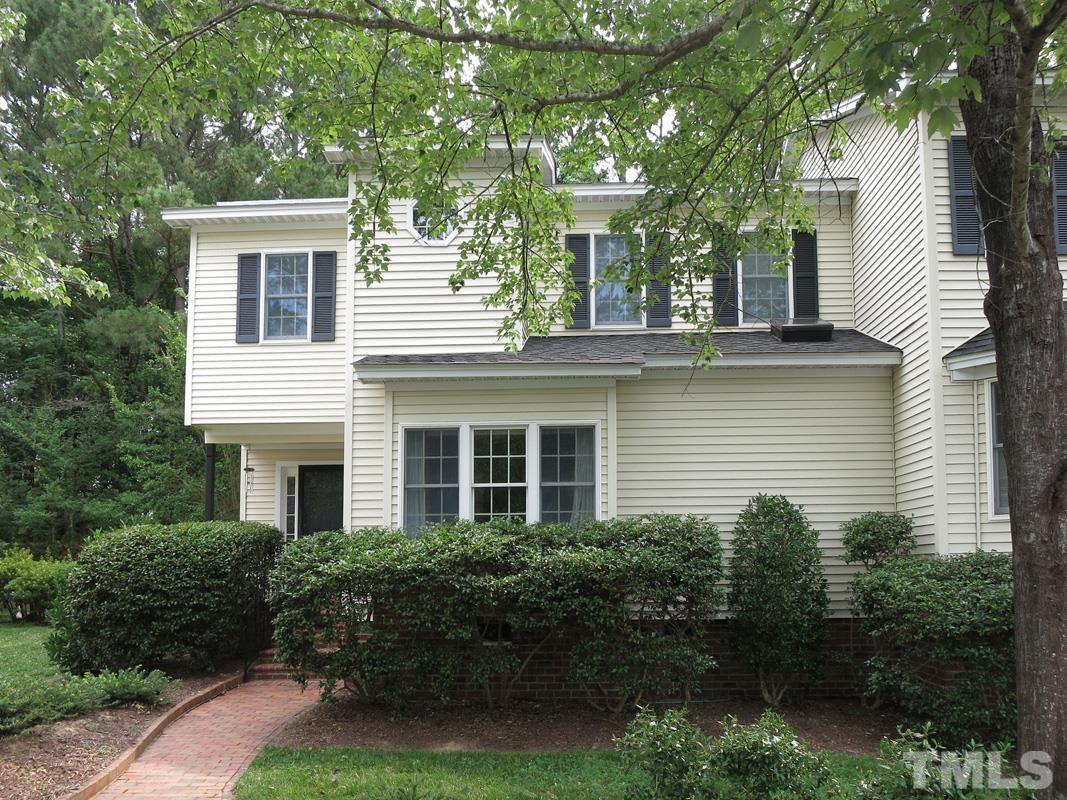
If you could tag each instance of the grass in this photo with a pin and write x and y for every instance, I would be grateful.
(32, 692)
(22, 655)
(333, 773)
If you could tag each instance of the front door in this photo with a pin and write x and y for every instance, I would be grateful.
(321, 492)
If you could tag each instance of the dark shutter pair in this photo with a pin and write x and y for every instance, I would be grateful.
(805, 281)
(323, 296)
(657, 315)
(966, 225)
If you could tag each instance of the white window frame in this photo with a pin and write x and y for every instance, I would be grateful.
(263, 254)
(993, 514)
(741, 293)
(425, 241)
(466, 461)
(617, 326)
(282, 470)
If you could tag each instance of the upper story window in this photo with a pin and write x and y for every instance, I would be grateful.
(764, 287)
(286, 306)
(998, 466)
(612, 303)
(432, 227)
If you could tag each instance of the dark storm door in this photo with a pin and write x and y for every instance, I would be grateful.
(320, 498)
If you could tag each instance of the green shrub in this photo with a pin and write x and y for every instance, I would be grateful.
(671, 754)
(777, 593)
(894, 777)
(944, 631)
(35, 587)
(761, 761)
(766, 760)
(401, 617)
(45, 701)
(154, 593)
(13, 562)
(877, 536)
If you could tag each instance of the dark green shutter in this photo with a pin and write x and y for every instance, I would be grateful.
(248, 297)
(1059, 199)
(724, 287)
(966, 227)
(578, 244)
(805, 275)
(658, 314)
(323, 296)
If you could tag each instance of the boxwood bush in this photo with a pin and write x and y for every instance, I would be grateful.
(877, 536)
(155, 593)
(399, 619)
(777, 594)
(944, 628)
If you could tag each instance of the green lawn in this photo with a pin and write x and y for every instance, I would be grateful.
(22, 656)
(354, 774)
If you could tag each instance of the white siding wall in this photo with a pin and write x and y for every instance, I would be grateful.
(891, 289)
(268, 382)
(261, 504)
(706, 444)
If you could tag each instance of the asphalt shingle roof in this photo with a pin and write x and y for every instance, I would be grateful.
(633, 348)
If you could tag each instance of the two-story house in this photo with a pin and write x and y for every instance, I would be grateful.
(396, 403)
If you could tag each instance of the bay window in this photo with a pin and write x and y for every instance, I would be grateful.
(529, 472)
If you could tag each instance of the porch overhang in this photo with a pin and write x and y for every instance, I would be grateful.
(628, 356)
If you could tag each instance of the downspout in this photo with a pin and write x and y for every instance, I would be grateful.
(977, 468)
(209, 482)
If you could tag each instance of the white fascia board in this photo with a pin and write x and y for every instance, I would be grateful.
(380, 373)
(333, 209)
(779, 360)
(972, 367)
(813, 188)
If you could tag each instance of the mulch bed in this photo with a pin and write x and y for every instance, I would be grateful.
(50, 761)
(826, 725)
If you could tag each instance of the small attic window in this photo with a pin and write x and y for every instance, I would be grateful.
(441, 229)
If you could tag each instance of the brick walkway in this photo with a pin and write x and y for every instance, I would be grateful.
(201, 755)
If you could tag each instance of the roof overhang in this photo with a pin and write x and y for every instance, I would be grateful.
(496, 148)
(972, 366)
(385, 373)
(331, 209)
(816, 190)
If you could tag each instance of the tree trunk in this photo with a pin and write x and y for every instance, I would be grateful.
(1025, 309)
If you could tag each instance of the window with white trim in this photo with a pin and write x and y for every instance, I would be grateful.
(568, 473)
(612, 303)
(289, 523)
(525, 472)
(431, 476)
(286, 296)
(437, 227)
(998, 466)
(499, 474)
(764, 287)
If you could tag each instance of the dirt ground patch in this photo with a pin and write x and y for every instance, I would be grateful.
(827, 725)
(50, 761)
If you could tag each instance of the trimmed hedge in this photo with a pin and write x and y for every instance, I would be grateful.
(777, 594)
(944, 628)
(155, 593)
(28, 586)
(403, 619)
(877, 536)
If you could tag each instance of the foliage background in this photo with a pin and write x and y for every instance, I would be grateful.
(91, 385)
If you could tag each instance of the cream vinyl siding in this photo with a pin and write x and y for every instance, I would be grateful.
(261, 504)
(481, 404)
(967, 443)
(833, 229)
(891, 291)
(268, 381)
(706, 443)
(413, 309)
